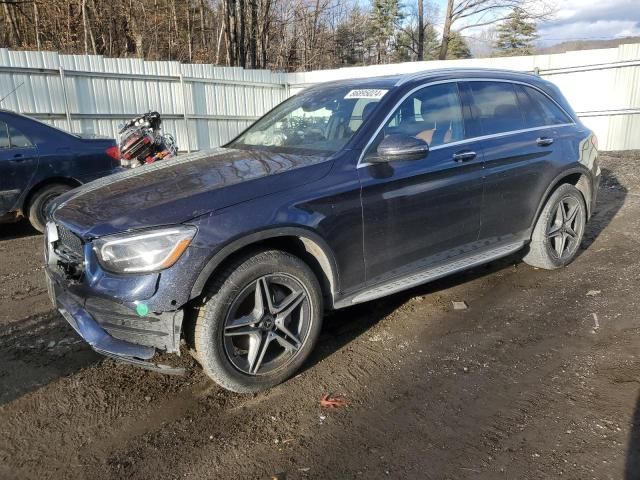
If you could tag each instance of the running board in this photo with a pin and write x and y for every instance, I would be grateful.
(430, 274)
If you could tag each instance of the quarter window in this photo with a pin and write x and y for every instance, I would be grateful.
(538, 109)
(496, 106)
(4, 135)
(432, 114)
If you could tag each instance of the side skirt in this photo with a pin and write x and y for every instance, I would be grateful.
(405, 282)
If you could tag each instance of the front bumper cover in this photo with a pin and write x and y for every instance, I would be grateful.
(98, 338)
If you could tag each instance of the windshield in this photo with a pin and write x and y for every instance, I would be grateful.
(319, 120)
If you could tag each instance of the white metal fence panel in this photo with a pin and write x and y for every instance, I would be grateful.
(202, 105)
(206, 105)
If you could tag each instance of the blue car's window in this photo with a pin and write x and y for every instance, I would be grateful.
(4, 135)
(433, 114)
(539, 110)
(320, 120)
(18, 139)
(496, 106)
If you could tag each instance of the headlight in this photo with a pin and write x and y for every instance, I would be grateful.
(147, 251)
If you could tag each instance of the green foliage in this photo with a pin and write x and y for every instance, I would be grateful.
(458, 48)
(384, 21)
(407, 43)
(516, 34)
(351, 36)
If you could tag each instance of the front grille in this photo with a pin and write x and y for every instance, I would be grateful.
(70, 241)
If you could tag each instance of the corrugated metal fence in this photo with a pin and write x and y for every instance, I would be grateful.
(202, 105)
(206, 105)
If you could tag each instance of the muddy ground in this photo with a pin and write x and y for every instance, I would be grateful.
(538, 378)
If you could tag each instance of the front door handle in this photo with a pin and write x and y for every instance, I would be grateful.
(544, 141)
(18, 157)
(464, 156)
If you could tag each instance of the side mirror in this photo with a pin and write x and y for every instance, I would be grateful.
(400, 147)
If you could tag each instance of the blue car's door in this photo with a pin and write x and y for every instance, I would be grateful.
(18, 165)
(418, 213)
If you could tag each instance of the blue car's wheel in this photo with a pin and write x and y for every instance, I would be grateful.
(40, 200)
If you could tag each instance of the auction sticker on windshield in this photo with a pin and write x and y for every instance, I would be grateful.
(376, 93)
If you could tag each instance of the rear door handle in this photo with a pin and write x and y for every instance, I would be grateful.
(464, 156)
(18, 157)
(544, 141)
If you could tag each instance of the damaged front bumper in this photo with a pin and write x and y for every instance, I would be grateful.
(97, 337)
(110, 325)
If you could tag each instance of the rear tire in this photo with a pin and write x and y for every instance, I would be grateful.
(556, 238)
(39, 202)
(259, 322)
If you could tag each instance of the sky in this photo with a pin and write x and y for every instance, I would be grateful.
(592, 19)
(586, 20)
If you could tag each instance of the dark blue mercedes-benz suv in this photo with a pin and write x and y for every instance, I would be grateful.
(344, 193)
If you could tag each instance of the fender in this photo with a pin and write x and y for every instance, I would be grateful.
(314, 244)
(554, 183)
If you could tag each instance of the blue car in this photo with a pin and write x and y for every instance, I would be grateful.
(38, 162)
(344, 193)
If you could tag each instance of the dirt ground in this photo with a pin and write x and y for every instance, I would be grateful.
(538, 378)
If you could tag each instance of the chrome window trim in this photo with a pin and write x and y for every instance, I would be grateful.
(362, 163)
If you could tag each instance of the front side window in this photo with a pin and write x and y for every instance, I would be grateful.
(4, 136)
(433, 114)
(538, 109)
(496, 106)
(320, 120)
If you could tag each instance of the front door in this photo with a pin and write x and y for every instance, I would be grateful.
(18, 164)
(418, 213)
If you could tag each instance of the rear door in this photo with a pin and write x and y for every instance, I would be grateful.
(520, 144)
(18, 165)
(421, 212)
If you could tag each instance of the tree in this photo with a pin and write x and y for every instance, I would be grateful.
(420, 51)
(516, 34)
(408, 43)
(351, 36)
(417, 39)
(384, 20)
(458, 47)
(286, 35)
(479, 13)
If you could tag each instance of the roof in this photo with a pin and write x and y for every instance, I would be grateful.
(390, 81)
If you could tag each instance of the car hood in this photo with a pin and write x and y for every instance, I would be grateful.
(180, 189)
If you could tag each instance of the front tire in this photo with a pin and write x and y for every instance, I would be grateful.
(559, 230)
(259, 322)
(40, 200)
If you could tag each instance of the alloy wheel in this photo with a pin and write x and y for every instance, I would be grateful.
(267, 324)
(564, 231)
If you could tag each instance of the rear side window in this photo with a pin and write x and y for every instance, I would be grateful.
(4, 135)
(496, 106)
(538, 109)
(18, 139)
